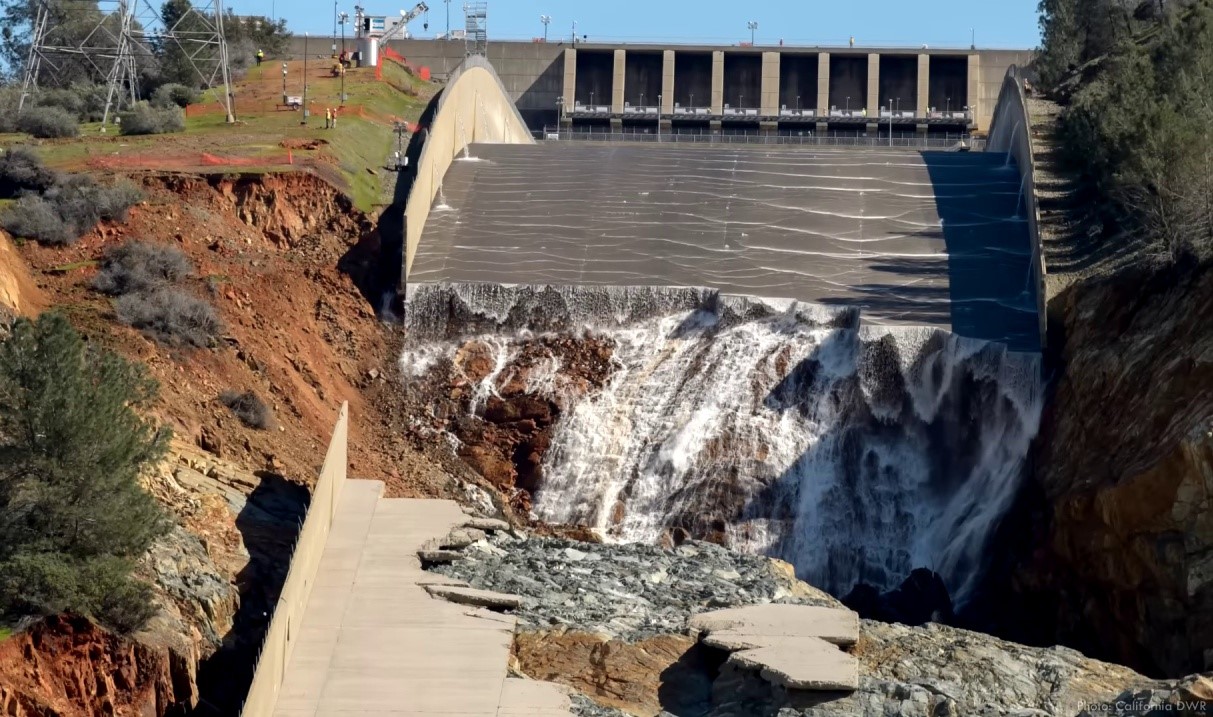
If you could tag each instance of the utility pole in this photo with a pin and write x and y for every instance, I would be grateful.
(284, 83)
(546, 20)
(890, 121)
(659, 119)
(345, 18)
(306, 112)
(334, 27)
(448, 19)
(574, 32)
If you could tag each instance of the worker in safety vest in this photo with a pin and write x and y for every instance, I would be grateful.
(328, 117)
(260, 56)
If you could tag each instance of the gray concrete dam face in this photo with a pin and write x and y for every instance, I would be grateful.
(909, 238)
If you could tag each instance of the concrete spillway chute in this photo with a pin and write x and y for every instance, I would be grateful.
(474, 107)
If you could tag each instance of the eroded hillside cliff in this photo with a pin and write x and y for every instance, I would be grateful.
(1119, 556)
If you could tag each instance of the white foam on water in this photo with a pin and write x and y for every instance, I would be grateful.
(855, 453)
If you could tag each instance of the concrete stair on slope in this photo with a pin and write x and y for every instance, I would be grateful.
(373, 642)
(792, 646)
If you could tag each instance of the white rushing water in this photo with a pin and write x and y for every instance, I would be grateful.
(857, 454)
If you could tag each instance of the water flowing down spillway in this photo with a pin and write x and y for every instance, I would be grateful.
(857, 453)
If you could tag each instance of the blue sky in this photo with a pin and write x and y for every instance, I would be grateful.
(998, 23)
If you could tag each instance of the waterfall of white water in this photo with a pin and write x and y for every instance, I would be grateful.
(857, 454)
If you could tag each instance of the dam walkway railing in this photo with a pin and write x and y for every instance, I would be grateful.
(283, 633)
(905, 141)
(1011, 134)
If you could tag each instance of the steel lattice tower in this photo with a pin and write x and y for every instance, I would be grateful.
(476, 41)
(126, 34)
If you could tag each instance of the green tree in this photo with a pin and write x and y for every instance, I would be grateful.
(187, 55)
(71, 24)
(73, 517)
(247, 34)
(1061, 46)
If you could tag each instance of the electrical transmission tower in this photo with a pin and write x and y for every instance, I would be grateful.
(476, 41)
(113, 41)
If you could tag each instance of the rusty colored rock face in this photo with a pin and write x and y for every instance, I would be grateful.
(1122, 565)
(504, 435)
(69, 667)
(627, 675)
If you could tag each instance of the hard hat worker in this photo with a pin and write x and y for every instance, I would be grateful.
(260, 56)
(328, 117)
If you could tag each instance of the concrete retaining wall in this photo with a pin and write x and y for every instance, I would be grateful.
(1011, 133)
(305, 561)
(474, 107)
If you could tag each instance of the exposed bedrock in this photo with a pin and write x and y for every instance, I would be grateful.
(1117, 545)
(776, 427)
(616, 622)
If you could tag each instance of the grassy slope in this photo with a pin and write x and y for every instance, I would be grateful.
(362, 140)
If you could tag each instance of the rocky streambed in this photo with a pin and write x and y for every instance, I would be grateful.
(611, 621)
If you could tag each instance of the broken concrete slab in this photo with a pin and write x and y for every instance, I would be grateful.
(439, 556)
(477, 598)
(462, 537)
(437, 579)
(488, 524)
(810, 663)
(731, 641)
(840, 627)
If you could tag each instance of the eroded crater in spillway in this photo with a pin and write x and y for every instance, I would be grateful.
(783, 428)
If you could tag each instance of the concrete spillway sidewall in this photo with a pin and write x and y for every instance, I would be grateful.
(473, 107)
(1011, 133)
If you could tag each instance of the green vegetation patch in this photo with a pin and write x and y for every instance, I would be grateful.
(73, 443)
(1136, 129)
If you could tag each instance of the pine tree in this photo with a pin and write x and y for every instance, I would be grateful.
(73, 517)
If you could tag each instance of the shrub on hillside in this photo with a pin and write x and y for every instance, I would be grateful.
(68, 209)
(10, 96)
(63, 98)
(22, 171)
(145, 119)
(174, 95)
(82, 202)
(48, 122)
(92, 100)
(73, 517)
(171, 317)
(32, 217)
(140, 266)
(249, 408)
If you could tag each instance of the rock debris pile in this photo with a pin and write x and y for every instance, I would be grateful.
(615, 623)
(627, 591)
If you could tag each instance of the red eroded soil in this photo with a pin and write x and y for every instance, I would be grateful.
(266, 250)
(68, 666)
